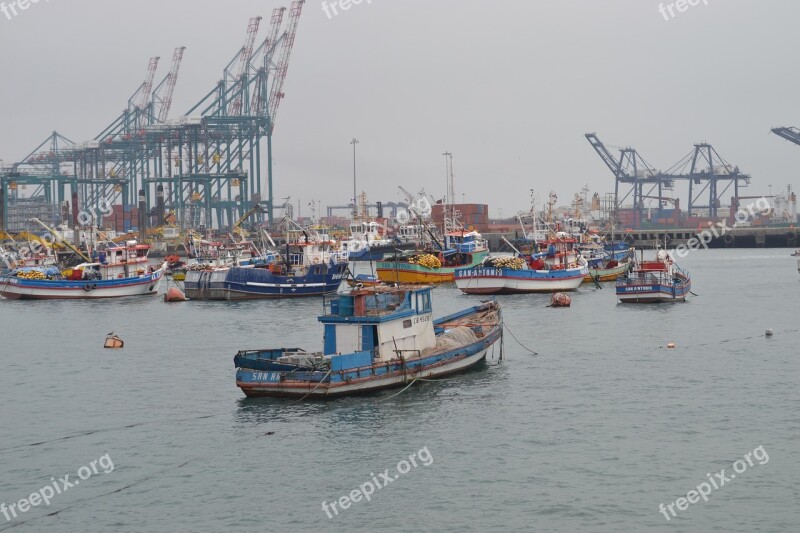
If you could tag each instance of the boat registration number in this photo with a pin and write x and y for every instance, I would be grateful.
(266, 376)
(639, 288)
(471, 273)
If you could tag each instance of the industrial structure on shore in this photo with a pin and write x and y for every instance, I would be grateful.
(201, 169)
(714, 189)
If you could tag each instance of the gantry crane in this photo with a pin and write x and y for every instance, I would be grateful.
(631, 169)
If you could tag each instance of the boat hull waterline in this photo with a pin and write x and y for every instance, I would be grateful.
(510, 281)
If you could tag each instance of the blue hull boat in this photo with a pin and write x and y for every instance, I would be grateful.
(375, 338)
(243, 283)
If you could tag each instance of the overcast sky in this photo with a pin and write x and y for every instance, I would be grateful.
(509, 86)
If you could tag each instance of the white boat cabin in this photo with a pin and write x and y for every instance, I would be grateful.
(380, 324)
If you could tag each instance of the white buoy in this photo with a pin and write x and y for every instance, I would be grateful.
(671, 345)
(768, 333)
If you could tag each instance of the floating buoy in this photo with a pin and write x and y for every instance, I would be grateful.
(113, 341)
(768, 333)
(174, 294)
(671, 345)
(560, 299)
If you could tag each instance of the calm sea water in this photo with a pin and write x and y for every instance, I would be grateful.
(591, 434)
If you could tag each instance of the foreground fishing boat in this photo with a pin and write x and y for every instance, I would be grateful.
(461, 249)
(655, 281)
(375, 338)
(114, 272)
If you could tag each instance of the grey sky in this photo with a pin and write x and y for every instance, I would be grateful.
(508, 86)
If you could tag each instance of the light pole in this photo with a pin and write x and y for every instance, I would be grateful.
(354, 142)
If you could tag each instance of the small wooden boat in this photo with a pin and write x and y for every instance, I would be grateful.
(375, 338)
(607, 270)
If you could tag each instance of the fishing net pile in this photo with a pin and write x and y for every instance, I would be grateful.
(513, 263)
(426, 260)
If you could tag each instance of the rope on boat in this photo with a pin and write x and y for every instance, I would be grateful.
(516, 339)
(693, 294)
(315, 388)
(400, 392)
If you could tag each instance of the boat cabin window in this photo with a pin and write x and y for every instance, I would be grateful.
(424, 302)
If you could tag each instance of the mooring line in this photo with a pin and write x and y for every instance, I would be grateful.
(516, 339)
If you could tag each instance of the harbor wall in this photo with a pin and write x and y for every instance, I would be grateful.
(752, 237)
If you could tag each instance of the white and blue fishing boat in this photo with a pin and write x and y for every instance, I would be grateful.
(655, 281)
(114, 270)
(561, 268)
(375, 338)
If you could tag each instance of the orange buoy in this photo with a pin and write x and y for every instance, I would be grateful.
(174, 294)
(113, 341)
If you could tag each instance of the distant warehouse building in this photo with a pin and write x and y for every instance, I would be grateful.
(471, 216)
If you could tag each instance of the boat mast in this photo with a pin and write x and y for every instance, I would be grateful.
(449, 215)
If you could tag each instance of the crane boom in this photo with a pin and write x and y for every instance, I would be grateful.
(147, 86)
(258, 103)
(605, 155)
(171, 79)
(791, 134)
(244, 64)
(276, 94)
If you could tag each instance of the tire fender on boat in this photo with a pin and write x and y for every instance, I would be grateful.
(87, 287)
